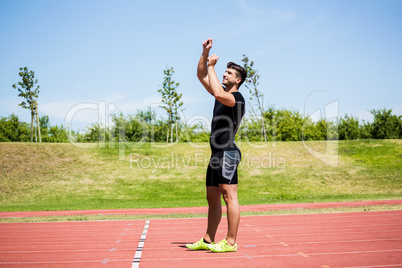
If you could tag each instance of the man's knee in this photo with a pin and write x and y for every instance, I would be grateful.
(230, 197)
(229, 192)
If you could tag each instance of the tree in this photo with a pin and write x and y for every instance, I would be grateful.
(251, 84)
(171, 100)
(12, 129)
(147, 116)
(146, 119)
(27, 90)
(44, 127)
(349, 128)
(386, 125)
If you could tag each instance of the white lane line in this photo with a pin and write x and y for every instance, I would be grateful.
(138, 253)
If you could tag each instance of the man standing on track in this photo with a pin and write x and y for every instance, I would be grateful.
(221, 178)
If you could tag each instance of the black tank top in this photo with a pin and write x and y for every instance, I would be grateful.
(225, 124)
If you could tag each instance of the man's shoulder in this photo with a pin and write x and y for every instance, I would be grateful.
(238, 96)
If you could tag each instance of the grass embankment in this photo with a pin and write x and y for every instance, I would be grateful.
(68, 177)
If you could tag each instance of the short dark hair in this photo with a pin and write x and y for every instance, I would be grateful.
(240, 71)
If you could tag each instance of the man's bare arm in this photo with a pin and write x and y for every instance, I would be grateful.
(202, 69)
(217, 90)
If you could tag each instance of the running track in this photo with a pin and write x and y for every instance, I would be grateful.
(363, 239)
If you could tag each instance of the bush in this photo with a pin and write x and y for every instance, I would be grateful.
(386, 125)
(12, 129)
(349, 128)
(280, 125)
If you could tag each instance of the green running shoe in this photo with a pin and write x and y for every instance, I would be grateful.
(222, 246)
(200, 245)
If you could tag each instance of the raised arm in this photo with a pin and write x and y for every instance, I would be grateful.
(202, 69)
(217, 90)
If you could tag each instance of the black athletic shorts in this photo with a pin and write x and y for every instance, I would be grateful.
(222, 168)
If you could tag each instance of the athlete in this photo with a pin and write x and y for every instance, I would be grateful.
(221, 178)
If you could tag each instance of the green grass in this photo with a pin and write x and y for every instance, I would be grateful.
(68, 177)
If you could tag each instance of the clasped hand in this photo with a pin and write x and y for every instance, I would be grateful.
(212, 60)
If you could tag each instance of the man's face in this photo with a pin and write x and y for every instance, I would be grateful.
(230, 78)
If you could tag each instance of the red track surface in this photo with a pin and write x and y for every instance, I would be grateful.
(69, 244)
(371, 239)
(364, 239)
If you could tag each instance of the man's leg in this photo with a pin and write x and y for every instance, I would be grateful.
(214, 212)
(229, 192)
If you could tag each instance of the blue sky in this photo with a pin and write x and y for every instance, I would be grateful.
(94, 56)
